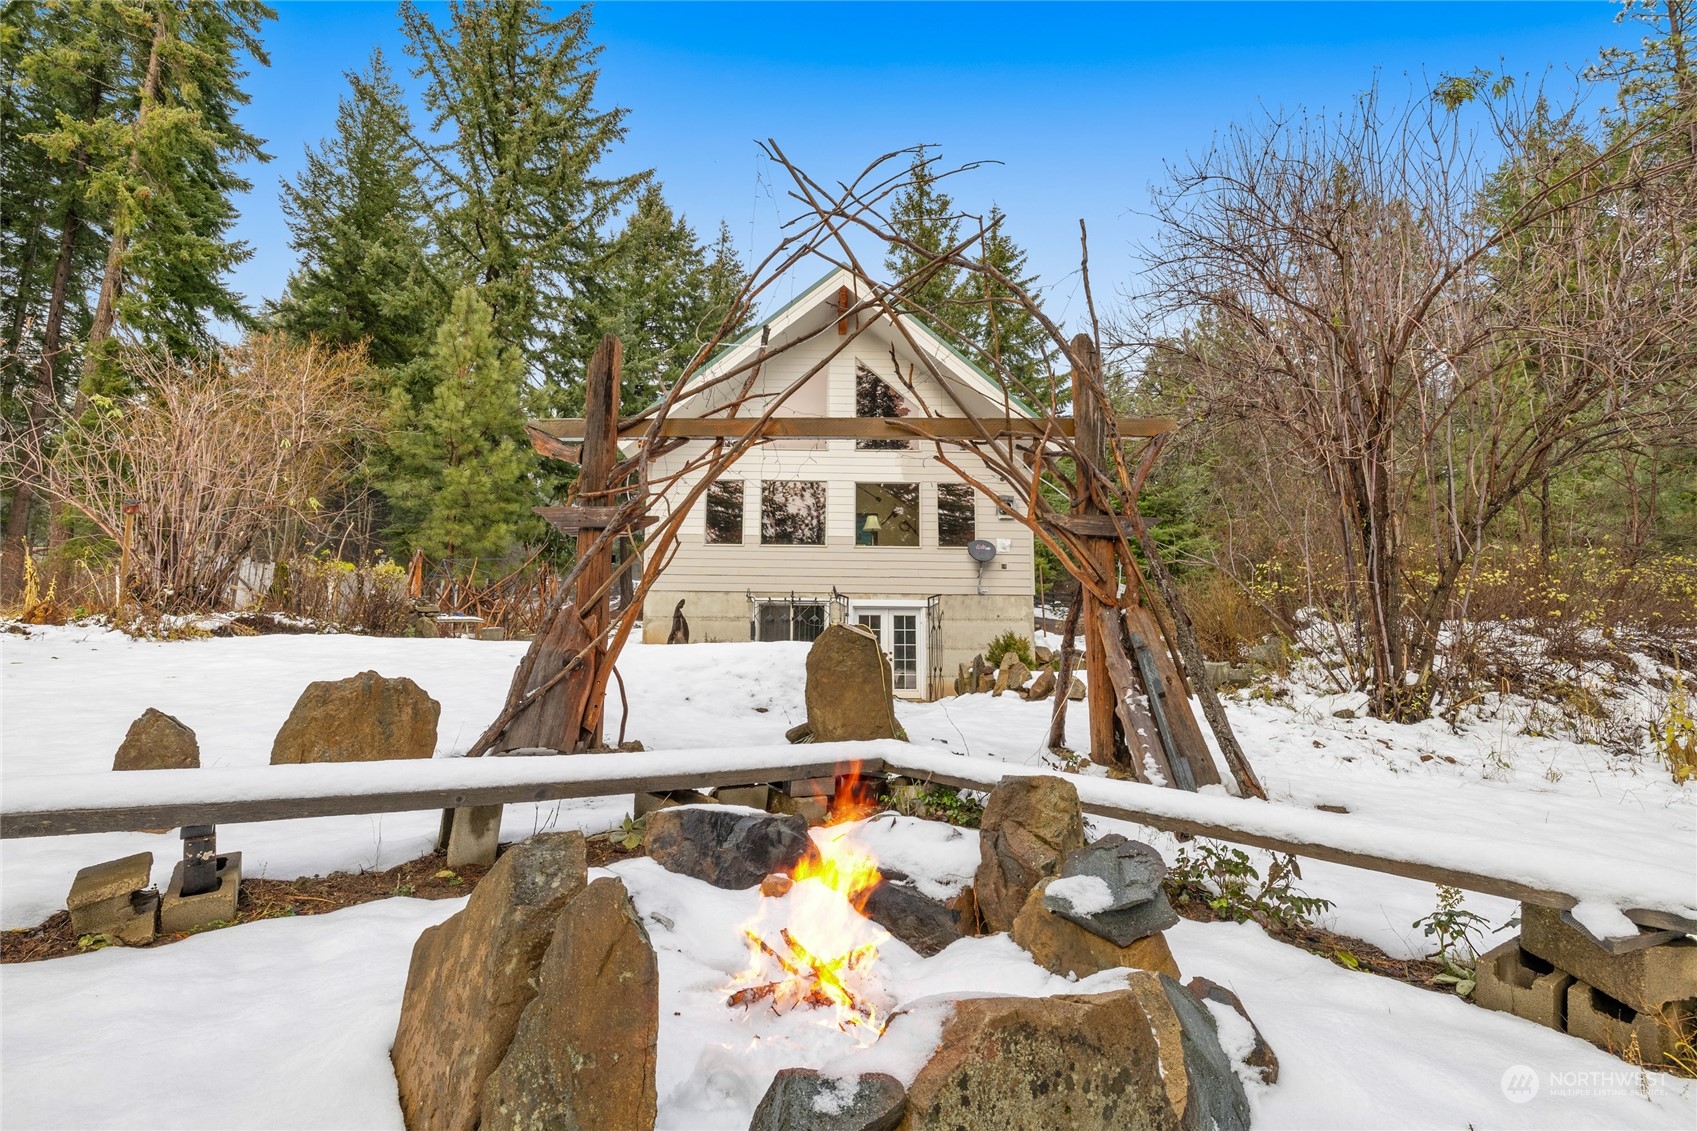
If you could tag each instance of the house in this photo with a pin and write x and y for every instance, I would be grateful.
(802, 533)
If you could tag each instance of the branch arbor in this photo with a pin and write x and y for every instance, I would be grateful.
(1136, 631)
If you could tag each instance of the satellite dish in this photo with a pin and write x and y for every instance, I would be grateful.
(981, 550)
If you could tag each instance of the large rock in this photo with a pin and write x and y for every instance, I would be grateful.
(1042, 687)
(728, 847)
(1029, 826)
(1260, 1055)
(583, 1055)
(471, 978)
(1063, 947)
(157, 741)
(1196, 1072)
(805, 1099)
(1012, 675)
(924, 924)
(1126, 1061)
(850, 692)
(364, 718)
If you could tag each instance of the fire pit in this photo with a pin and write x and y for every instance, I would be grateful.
(810, 944)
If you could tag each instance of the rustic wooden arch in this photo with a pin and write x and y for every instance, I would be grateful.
(1135, 628)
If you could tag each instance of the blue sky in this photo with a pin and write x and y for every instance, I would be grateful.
(1083, 103)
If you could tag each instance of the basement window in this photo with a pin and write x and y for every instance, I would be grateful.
(886, 514)
(724, 512)
(789, 620)
(957, 514)
(873, 397)
(792, 513)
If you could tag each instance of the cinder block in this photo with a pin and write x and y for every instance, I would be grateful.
(647, 803)
(813, 810)
(100, 897)
(474, 836)
(1644, 979)
(753, 796)
(1642, 1037)
(141, 926)
(810, 787)
(179, 912)
(1513, 981)
(492, 632)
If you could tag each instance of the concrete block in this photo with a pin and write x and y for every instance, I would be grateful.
(474, 834)
(1643, 979)
(647, 803)
(100, 897)
(141, 926)
(179, 912)
(492, 632)
(813, 810)
(753, 796)
(1641, 1037)
(1513, 981)
(810, 787)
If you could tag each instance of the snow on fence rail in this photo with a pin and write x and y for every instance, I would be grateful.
(1651, 895)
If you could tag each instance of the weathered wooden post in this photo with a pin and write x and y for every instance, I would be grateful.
(1090, 438)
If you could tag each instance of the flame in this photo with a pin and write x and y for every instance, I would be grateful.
(813, 946)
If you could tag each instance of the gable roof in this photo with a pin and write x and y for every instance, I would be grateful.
(950, 361)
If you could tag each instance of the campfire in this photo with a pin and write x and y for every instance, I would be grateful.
(810, 945)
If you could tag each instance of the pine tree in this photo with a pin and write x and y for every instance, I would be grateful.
(660, 293)
(165, 149)
(924, 215)
(524, 209)
(357, 218)
(990, 319)
(459, 476)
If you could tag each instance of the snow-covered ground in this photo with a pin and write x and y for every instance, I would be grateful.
(304, 1042)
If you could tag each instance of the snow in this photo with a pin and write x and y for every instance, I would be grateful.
(1603, 920)
(1086, 894)
(296, 1015)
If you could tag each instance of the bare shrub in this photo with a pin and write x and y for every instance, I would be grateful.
(369, 598)
(219, 452)
(1227, 620)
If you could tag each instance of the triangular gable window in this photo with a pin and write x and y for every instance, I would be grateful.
(873, 397)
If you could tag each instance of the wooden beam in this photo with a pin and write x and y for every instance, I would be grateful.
(959, 774)
(1091, 525)
(566, 779)
(849, 428)
(575, 519)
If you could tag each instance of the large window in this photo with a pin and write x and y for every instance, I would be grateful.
(886, 514)
(724, 512)
(792, 513)
(957, 514)
(873, 397)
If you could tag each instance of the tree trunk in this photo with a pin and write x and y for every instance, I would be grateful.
(1063, 678)
(112, 278)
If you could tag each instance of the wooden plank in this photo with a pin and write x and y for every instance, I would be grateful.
(1091, 525)
(575, 519)
(852, 427)
(1099, 556)
(1313, 850)
(551, 448)
(1186, 732)
(567, 785)
(1142, 742)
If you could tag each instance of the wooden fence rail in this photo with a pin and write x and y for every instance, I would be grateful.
(1662, 897)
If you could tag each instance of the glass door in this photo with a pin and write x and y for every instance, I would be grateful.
(898, 633)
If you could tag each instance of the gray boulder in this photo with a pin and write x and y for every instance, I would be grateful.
(727, 847)
(804, 1099)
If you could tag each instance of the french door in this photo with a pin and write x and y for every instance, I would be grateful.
(901, 634)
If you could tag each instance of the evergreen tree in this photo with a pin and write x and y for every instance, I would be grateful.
(163, 150)
(923, 214)
(357, 218)
(660, 293)
(970, 308)
(459, 475)
(523, 207)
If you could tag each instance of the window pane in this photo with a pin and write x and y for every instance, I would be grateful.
(772, 620)
(792, 513)
(957, 521)
(808, 621)
(873, 397)
(886, 514)
(724, 511)
(904, 651)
